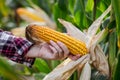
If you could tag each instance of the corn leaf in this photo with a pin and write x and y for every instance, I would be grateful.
(96, 24)
(42, 65)
(89, 6)
(39, 76)
(80, 17)
(58, 13)
(117, 69)
(112, 49)
(7, 71)
(71, 6)
(116, 7)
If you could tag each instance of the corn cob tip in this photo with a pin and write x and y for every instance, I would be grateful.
(28, 32)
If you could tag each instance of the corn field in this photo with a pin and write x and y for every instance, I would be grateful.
(96, 23)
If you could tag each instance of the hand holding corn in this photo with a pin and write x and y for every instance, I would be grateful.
(38, 33)
(51, 51)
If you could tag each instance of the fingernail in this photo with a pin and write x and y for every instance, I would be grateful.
(58, 42)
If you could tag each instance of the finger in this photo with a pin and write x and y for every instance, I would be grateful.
(55, 45)
(64, 48)
(74, 57)
(55, 53)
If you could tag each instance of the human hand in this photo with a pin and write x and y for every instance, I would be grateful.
(51, 51)
(74, 57)
(54, 51)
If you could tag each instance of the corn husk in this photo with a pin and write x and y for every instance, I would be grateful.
(66, 69)
(91, 39)
(86, 72)
(97, 57)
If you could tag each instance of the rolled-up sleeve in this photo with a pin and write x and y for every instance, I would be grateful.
(15, 48)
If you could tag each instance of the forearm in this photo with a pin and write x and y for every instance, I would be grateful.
(15, 48)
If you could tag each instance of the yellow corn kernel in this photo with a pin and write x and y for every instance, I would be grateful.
(40, 32)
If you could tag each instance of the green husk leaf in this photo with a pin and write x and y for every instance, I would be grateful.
(117, 69)
(112, 48)
(116, 8)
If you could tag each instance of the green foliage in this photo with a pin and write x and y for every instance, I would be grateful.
(116, 8)
(6, 70)
(39, 76)
(4, 8)
(82, 14)
(117, 68)
(42, 65)
(73, 11)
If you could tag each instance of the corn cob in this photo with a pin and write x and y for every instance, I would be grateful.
(27, 14)
(40, 32)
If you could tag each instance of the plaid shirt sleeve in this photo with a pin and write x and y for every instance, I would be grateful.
(15, 48)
